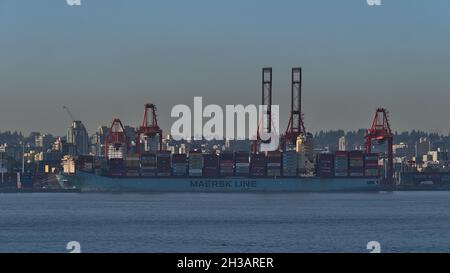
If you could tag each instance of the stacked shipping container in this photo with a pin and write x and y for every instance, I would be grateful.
(325, 165)
(356, 163)
(116, 167)
(371, 167)
(258, 165)
(132, 165)
(242, 164)
(290, 163)
(163, 167)
(116, 151)
(148, 164)
(274, 163)
(195, 163)
(210, 165)
(341, 163)
(179, 165)
(226, 162)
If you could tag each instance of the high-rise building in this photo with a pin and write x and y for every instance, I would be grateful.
(14, 152)
(96, 146)
(31, 139)
(423, 146)
(57, 144)
(403, 150)
(44, 142)
(3, 162)
(98, 141)
(439, 145)
(78, 136)
(102, 132)
(342, 144)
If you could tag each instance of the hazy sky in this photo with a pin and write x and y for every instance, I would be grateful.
(106, 58)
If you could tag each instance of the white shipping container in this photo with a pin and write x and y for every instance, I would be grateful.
(114, 152)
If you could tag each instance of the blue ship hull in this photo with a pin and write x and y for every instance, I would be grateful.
(88, 182)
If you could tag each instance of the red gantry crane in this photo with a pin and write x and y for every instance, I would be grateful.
(380, 132)
(148, 130)
(116, 143)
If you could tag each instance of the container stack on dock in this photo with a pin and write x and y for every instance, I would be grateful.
(148, 164)
(10, 181)
(69, 165)
(163, 163)
(371, 167)
(289, 163)
(179, 165)
(356, 163)
(325, 165)
(226, 162)
(258, 165)
(274, 163)
(85, 163)
(132, 165)
(210, 165)
(242, 164)
(341, 164)
(195, 163)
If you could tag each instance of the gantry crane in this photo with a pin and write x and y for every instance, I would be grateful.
(116, 142)
(149, 129)
(266, 101)
(380, 131)
(296, 126)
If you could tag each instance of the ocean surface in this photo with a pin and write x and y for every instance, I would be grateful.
(226, 222)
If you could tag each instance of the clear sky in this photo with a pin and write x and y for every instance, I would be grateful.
(106, 58)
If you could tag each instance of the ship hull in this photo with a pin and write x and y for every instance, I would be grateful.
(88, 182)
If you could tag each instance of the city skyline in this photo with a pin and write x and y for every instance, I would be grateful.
(106, 63)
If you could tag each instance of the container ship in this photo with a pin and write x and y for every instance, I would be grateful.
(224, 172)
(293, 168)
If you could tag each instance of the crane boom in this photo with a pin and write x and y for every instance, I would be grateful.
(69, 113)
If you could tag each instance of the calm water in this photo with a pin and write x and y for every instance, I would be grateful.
(401, 222)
